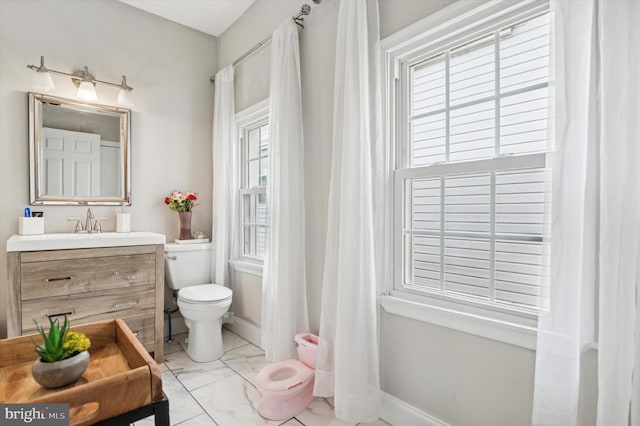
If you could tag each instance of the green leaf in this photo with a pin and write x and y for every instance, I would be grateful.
(53, 348)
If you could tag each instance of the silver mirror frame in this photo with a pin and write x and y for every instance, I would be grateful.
(35, 107)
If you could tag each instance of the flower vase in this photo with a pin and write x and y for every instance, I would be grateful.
(185, 225)
(53, 375)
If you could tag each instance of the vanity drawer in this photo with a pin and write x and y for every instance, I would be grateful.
(83, 308)
(143, 327)
(77, 276)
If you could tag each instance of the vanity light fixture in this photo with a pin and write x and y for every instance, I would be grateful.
(83, 79)
(42, 79)
(124, 97)
(86, 86)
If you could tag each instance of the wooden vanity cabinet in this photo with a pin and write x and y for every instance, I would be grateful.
(87, 285)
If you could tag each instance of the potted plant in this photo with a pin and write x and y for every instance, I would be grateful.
(63, 356)
(182, 202)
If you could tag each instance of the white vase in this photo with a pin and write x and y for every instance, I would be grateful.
(60, 373)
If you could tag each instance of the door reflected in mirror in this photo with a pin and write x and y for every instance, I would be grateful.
(79, 152)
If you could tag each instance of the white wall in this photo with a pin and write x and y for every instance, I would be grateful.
(317, 50)
(169, 67)
(459, 378)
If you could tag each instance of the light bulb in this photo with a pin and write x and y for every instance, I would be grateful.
(124, 97)
(42, 79)
(87, 92)
(43, 82)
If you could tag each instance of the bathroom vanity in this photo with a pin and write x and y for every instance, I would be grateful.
(88, 277)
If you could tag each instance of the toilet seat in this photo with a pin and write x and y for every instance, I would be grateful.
(293, 373)
(205, 293)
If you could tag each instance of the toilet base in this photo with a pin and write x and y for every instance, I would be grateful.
(275, 409)
(204, 343)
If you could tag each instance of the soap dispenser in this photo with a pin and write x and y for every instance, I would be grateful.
(123, 222)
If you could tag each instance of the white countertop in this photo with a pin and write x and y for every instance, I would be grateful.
(75, 241)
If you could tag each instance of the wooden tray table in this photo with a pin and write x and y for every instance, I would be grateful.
(122, 378)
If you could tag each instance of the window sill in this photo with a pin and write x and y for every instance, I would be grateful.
(253, 268)
(502, 330)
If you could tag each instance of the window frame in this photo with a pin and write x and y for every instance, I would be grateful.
(452, 26)
(246, 120)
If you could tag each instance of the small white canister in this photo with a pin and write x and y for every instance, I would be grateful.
(123, 222)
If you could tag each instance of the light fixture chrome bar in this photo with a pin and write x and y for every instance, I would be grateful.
(298, 19)
(79, 78)
(122, 85)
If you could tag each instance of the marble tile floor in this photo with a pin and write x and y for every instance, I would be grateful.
(223, 392)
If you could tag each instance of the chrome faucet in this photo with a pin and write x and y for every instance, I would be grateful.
(87, 225)
(78, 224)
(90, 225)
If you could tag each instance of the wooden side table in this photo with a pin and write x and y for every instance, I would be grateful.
(122, 379)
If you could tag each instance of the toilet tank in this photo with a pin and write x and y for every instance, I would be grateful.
(187, 264)
(307, 348)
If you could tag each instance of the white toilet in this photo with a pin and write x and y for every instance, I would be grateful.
(202, 304)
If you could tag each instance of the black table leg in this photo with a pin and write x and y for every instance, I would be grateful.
(161, 411)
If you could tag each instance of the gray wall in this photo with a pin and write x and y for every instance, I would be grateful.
(457, 377)
(169, 67)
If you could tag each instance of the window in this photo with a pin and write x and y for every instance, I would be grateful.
(253, 131)
(471, 127)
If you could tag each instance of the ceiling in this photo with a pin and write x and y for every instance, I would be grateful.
(209, 16)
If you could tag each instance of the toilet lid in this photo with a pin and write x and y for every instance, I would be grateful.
(205, 293)
(285, 375)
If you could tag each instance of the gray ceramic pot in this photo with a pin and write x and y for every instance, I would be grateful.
(60, 373)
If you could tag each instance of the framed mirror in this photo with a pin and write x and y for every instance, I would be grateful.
(79, 153)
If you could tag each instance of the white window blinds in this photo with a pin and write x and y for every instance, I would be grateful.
(474, 186)
(254, 204)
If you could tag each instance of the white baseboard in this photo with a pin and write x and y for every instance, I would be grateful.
(246, 330)
(399, 413)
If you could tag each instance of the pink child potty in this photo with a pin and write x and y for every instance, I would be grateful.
(287, 386)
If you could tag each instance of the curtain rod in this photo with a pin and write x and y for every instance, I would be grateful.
(298, 19)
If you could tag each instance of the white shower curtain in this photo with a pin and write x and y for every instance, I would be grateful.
(619, 284)
(347, 365)
(225, 179)
(595, 226)
(284, 295)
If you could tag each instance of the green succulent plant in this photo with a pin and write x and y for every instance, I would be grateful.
(54, 343)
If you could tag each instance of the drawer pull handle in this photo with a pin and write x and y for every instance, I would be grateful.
(135, 333)
(60, 314)
(127, 304)
(172, 257)
(115, 273)
(50, 280)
